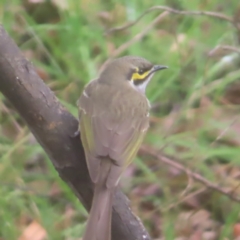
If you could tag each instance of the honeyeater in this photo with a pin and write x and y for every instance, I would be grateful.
(113, 117)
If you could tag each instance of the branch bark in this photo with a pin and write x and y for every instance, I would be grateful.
(53, 126)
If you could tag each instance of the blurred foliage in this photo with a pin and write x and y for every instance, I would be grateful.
(195, 109)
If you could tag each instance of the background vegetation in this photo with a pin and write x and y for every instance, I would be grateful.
(195, 115)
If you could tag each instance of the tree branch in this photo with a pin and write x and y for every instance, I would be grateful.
(52, 125)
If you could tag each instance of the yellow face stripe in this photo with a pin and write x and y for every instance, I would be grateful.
(136, 76)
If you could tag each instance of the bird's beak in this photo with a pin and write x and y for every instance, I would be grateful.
(158, 67)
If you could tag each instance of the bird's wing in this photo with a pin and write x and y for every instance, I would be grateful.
(107, 134)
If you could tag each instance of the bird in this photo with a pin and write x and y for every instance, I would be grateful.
(113, 119)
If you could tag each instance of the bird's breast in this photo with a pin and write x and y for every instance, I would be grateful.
(118, 102)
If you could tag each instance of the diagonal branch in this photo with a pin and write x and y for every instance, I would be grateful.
(52, 125)
(194, 175)
(172, 10)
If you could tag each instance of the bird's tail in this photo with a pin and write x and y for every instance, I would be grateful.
(99, 221)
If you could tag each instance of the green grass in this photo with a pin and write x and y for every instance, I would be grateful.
(191, 110)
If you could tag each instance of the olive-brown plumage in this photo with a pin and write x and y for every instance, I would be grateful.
(113, 112)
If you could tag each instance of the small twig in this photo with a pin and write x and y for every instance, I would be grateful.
(173, 205)
(188, 187)
(225, 130)
(224, 47)
(221, 135)
(209, 88)
(136, 38)
(140, 35)
(172, 10)
(41, 45)
(15, 123)
(194, 175)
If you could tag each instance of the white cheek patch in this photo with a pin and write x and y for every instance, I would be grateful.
(142, 87)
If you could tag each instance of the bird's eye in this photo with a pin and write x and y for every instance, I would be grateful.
(140, 71)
